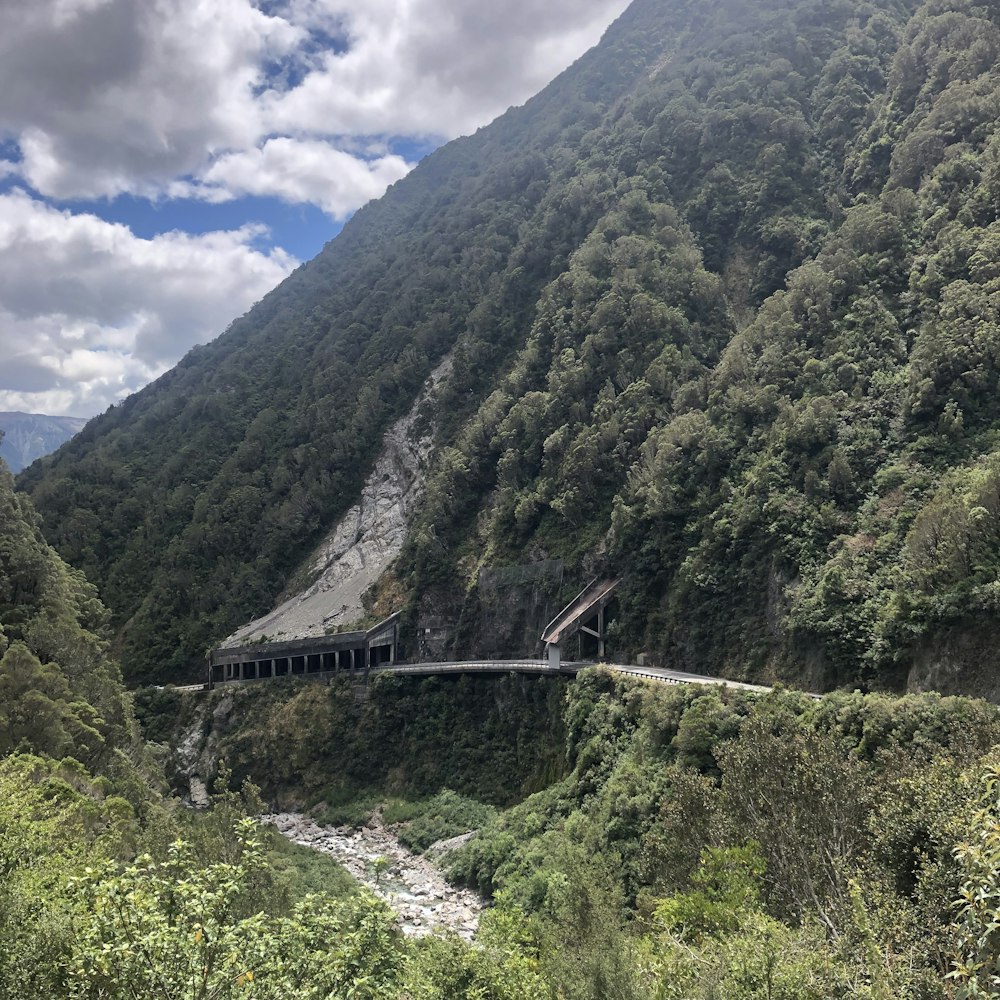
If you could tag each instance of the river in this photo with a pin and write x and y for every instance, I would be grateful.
(410, 883)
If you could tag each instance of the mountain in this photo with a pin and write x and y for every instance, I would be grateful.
(27, 436)
(719, 312)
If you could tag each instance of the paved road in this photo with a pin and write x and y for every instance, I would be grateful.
(568, 669)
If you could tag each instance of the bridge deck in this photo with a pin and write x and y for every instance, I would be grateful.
(482, 667)
(541, 667)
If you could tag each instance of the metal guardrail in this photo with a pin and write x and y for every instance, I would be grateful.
(482, 666)
(666, 676)
(542, 667)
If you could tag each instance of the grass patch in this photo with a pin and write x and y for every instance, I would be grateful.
(444, 815)
(303, 870)
(346, 807)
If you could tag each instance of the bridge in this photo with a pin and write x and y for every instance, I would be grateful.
(363, 654)
(535, 667)
(582, 617)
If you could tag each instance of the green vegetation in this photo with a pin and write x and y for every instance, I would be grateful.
(717, 844)
(683, 842)
(179, 930)
(496, 739)
(724, 309)
(107, 890)
(798, 478)
(441, 817)
(721, 306)
(701, 842)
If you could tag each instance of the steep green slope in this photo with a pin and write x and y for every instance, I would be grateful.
(841, 456)
(820, 502)
(722, 302)
(61, 694)
(191, 501)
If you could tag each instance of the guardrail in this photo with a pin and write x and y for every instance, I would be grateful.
(482, 666)
(542, 667)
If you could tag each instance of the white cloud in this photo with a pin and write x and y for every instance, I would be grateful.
(436, 67)
(90, 313)
(216, 100)
(302, 171)
(112, 96)
(106, 96)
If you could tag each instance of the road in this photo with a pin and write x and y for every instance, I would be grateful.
(541, 667)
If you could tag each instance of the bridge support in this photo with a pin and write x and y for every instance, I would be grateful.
(599, 634)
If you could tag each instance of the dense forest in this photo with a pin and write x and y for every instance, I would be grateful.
(110, 890)
(680, 843)
(722, 306)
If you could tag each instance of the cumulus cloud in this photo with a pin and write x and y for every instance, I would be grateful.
(106, 96)
(439, 67)
(302, 171)
(112, 96)
(89, 312)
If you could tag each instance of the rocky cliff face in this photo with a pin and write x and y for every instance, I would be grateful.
(27, 436)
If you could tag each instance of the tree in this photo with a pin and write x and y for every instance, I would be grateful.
(172, 931)
(977, 964)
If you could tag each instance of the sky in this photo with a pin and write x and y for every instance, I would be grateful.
(165, 163)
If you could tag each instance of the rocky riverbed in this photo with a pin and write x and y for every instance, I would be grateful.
(411, 884)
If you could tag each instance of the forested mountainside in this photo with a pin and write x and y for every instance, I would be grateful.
(723, 308)
(27, 436)
(661, 841)
(61, 694)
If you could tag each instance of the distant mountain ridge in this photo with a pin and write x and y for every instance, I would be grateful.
(27, 436)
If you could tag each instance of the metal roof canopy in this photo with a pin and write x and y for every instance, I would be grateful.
(584, 606)
(384, 633)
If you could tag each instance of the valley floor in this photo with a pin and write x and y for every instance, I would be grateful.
(410, 883)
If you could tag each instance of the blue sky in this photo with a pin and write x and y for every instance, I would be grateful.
(164, 163)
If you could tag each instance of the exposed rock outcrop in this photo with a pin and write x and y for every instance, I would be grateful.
(196, 754)
(366, 539)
